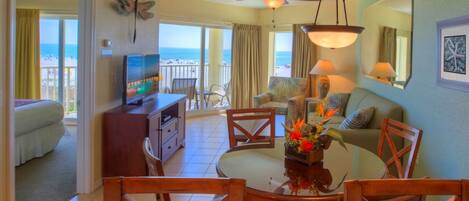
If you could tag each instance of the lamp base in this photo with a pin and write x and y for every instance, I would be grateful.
(324, 84)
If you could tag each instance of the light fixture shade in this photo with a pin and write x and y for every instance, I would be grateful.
(274, 3)
(383, 70)
(332, 36)
(323, 67)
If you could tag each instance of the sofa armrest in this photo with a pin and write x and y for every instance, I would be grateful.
(296, 107)
(262, 99)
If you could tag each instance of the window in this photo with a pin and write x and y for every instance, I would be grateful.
(59, 60)
(402, 44)
(182, 57)
(282, 54)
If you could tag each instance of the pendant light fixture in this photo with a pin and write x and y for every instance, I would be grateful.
(333, 36)
(274, 4)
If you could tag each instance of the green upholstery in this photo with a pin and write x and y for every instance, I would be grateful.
(282, 91)
(368, 137)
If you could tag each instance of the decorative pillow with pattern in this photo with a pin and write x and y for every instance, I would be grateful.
(338, 101)
(358, 119)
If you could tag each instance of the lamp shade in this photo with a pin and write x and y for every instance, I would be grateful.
(383, 70)
(323, 67)
(274, 3)
(332, 36)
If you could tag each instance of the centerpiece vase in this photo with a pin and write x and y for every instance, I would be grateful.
(310, 158)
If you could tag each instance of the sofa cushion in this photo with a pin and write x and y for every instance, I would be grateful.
(283, 88)
(339, 102)
(313, 118)
(358, 119)
(280, 108)
(384, 108)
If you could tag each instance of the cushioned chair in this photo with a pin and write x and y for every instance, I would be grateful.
(281, 91)
(369, 136)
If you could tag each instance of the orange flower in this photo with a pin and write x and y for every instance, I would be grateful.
(295, 135)
(298, 124)
(306, 145)
(330, 113)
(320, 109)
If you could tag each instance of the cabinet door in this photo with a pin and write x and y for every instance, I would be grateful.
(154, 124)
(182, 123)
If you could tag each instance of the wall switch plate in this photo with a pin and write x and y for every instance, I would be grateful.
(106, 52)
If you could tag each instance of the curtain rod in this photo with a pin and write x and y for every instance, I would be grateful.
(194, 21)
(58, 12)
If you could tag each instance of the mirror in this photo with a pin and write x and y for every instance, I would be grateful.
(387, 42)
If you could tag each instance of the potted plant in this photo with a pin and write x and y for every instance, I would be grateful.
(306, 142)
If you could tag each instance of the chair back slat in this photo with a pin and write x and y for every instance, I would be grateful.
(391, 128)
(115, 189)
(261, 119)
(154, 165)
(374, 189)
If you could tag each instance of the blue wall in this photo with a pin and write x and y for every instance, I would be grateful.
(442, 113)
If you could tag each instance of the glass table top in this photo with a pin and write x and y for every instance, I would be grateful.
(268, 171)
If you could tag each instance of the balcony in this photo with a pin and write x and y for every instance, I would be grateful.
(50, 86)
(216, 84)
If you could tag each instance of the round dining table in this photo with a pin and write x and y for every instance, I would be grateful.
(270, 176)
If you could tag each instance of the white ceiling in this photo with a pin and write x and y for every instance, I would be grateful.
(398, 5)
(257, 3)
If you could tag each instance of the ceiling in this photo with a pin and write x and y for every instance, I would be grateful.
(398, 5)
(256, 3)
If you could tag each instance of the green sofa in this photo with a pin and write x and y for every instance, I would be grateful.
(369, 136)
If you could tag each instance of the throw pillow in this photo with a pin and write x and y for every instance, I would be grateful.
(338, 101)
(358, 119)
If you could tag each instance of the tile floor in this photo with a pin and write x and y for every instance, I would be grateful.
(206, 141)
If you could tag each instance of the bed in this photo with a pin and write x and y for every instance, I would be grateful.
(38, 128)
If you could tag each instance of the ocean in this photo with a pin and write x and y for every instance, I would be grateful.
(51, 52)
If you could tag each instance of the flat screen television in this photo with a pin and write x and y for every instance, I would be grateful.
(141, 77)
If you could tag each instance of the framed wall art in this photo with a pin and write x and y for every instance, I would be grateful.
(452, 53)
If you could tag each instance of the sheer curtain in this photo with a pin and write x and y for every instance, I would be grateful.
(246, 70)
(27, 71)
(304, 58)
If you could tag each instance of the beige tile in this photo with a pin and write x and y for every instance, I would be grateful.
(202, 159)
(195, 168)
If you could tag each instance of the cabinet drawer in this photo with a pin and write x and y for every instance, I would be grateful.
(169, 148)
(168, 130)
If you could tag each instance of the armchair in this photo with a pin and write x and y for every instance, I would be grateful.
(286, 95)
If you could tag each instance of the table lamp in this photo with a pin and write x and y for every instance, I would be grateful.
(323, 68)
(383, 71)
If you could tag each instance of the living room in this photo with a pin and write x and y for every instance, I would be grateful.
(414, 88)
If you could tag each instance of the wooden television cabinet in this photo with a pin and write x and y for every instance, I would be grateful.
(125, 128)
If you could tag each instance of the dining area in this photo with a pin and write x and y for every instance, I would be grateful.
(244, 155)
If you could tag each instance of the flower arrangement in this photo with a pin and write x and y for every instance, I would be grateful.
(312, 138)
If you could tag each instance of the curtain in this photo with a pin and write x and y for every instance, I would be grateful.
(246, 68)
(304, 58)
(387, 47)
(27, 70)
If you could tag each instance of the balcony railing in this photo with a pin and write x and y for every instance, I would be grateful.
(50, 86)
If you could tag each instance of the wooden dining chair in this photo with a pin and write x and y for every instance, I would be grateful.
(390, 188)
(154, 165)
(392, 128)
(258, 119)
(118, 188)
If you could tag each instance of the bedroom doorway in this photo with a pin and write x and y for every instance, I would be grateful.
(46, 82)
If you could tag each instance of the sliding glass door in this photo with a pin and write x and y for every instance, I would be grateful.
(59, 59)
(196, 60)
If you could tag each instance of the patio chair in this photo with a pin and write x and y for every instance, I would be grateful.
(186, 86)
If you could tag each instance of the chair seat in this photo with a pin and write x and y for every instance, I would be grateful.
(280, 108)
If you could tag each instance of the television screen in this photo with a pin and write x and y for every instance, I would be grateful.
(141, 74)
(152, 73)
(134, 78)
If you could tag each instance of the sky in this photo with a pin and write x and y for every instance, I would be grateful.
(49, 31)
(182, 36)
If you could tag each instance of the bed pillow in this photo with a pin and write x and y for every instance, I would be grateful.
(358, 119)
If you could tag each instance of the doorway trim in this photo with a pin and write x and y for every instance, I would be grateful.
(86, 101)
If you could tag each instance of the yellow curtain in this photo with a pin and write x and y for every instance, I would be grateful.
(304, 58)
(27, 72)
(246, 68)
